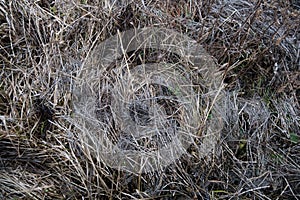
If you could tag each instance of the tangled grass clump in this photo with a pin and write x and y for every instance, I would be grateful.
(44, 47)
(143, 117)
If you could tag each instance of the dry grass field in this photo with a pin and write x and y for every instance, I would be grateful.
(256, 46)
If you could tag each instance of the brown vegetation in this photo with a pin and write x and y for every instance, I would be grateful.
(256, 44)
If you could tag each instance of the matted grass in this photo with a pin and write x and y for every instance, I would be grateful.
(43, 45)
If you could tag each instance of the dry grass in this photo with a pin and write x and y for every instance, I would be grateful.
(43, 45)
